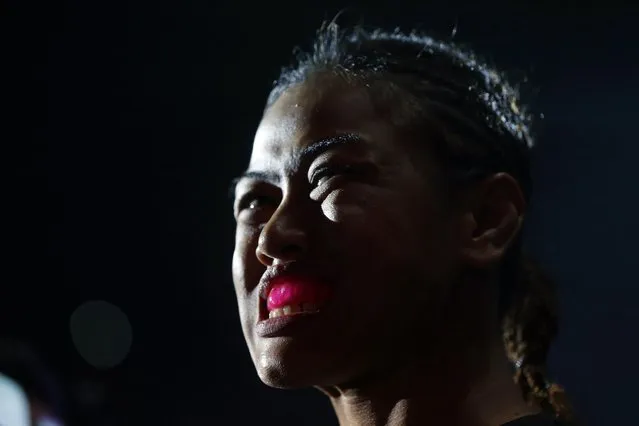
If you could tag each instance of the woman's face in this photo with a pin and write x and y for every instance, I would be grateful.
(340, 220)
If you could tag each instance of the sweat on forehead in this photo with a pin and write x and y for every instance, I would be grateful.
(315, 110)
(338, 93)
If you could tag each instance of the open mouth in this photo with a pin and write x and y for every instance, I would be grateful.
(304, 308)
(288, 296)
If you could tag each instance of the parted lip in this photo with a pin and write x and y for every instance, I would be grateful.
(266, 282)
(279, 272)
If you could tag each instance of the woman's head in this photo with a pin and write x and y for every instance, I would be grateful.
(387, 185)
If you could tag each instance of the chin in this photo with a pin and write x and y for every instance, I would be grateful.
(279, 378)
(281, 374)
(295, 371)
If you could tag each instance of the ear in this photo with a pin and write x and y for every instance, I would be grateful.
(494, 212)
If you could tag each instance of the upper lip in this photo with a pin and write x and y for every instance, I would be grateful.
(273, 273)
(267, 279)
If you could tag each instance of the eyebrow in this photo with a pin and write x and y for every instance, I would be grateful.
(303, 155)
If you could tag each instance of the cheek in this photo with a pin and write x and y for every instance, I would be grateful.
(346, 206)
(245, 266)
(374, 214)
(404, 231)
(246, 274)
(238, 271)
(371, 226)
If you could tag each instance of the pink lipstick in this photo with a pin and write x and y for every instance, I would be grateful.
(284, 291)
(291, 301)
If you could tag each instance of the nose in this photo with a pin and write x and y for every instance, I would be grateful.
(284, 238)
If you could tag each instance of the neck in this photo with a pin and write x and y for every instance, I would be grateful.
(442, 394)
(466, 382)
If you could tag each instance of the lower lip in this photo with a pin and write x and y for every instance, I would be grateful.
(288, 325)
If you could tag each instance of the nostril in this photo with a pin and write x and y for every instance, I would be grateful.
(263, 258)
(284, 254)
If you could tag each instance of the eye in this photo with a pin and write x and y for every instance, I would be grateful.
(324, 173)
(253, 201)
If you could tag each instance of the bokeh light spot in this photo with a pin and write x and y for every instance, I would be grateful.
(101, 333)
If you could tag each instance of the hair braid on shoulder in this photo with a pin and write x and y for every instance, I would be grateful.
(529, 327)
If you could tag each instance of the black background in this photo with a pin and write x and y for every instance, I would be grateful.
(125, 121)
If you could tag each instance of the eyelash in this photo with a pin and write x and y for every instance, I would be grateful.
(248, 199)
(328, 172)
(320, 173)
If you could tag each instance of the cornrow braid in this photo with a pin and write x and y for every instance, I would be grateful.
(529, 326)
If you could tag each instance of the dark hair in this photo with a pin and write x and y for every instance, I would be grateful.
(477, 127)
(21, 363)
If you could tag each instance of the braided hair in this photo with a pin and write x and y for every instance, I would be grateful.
(529, 326)
(476, 127)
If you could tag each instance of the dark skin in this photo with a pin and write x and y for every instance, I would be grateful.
(411, 336)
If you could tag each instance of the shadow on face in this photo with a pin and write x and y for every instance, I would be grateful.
(333, 193)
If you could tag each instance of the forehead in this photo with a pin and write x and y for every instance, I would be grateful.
(312, 111)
